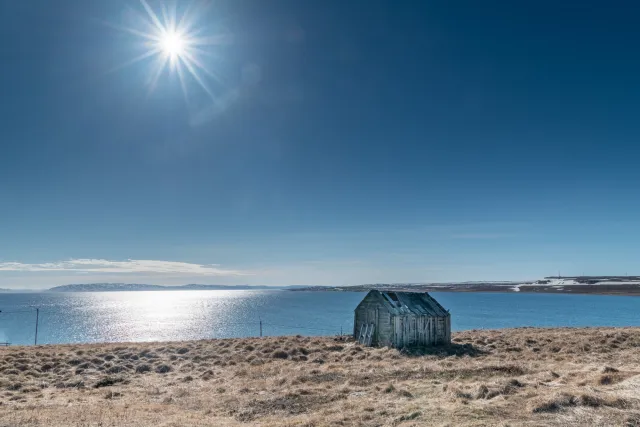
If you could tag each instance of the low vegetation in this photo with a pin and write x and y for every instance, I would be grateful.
(507, 377)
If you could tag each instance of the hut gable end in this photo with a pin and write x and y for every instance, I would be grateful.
(372, 298)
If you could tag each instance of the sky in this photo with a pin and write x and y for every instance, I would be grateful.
(321, 143)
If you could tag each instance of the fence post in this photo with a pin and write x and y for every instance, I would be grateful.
(35, 341)
(260, 327)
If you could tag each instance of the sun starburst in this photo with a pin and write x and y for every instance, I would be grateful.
(175, 44)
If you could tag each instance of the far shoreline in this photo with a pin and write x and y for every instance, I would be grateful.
(608, 290)
(568, 285)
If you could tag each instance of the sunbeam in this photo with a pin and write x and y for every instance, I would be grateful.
(175, 44)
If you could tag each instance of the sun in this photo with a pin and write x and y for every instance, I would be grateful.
(173, 44)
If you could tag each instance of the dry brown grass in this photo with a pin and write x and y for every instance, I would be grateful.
(509, 377)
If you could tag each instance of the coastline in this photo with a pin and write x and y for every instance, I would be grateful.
(617, 290)
(522, 376)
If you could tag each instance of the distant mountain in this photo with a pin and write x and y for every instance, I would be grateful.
(119, 287)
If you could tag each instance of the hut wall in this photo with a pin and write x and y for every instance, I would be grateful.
(384, 328)
(367, 313)
(441, 330)
(396, 326)
(410, 330)
(424, 331)
(448, 330)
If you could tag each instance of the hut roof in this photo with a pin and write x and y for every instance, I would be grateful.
(419, 303)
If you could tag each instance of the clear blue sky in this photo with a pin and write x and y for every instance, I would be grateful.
(337, 142)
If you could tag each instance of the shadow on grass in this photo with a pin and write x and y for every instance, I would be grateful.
(452, 349)
(444, 351)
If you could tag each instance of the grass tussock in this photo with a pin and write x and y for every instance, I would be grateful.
(562, 401)
(482, 378)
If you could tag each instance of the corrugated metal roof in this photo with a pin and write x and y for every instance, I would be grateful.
(419, 303)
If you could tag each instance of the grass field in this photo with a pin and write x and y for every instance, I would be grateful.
(505, 377)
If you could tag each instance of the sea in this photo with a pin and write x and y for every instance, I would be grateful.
(191, 315)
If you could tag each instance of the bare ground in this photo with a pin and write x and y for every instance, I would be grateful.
(510, 377)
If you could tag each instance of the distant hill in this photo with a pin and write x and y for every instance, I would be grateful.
(119, 287)
(600, 285)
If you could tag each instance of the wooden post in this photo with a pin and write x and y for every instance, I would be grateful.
(35, 341)
(260, 327)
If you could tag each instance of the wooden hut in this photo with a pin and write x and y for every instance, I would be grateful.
(401, 319)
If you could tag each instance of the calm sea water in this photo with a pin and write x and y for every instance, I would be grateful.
(185, 315)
